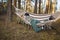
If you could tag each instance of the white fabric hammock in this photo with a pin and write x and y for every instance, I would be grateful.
(27, 20)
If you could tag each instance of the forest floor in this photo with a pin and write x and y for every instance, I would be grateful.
(19, 32)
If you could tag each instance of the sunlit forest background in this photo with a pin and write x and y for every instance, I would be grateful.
(39, 6)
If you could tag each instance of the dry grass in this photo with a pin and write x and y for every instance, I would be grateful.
(56, 25)
(19, 32)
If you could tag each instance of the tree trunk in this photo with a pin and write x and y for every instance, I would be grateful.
(15, 2)
(39, 6)
(35, 7)
(19, 4)
(9, 10)
(48, 7)
(46, 11)
(51, 6)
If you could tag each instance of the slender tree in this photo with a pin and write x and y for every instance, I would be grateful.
(9, 10)
(47, 7)
(26, 4)
(46, 11)
(35, 7)
(19, 4)
(50, 6)
(39, 6)
(15, 2)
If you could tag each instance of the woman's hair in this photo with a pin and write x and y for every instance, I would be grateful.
(26, 14)
(51, 17)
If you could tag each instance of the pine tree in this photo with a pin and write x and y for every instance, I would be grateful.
(35, 7)
(9, 10)
(15, 2)
(39, 6)
(19, 4)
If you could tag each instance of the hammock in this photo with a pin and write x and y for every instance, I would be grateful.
(40, 17)
(33, 19)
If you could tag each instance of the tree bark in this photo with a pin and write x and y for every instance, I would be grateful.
(35, 7)
(9, 10)
(19, 4)
(39, 6)
(47, 7)
(50, 6)
(15, 2)
(46, 11)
